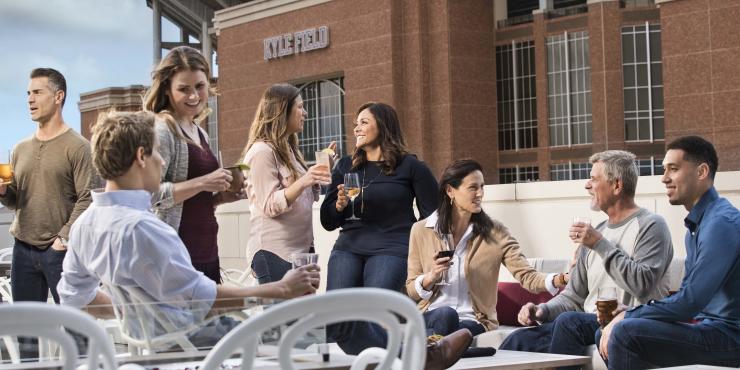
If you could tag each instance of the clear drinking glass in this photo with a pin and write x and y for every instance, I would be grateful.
(352, 186)
(447, 251)
(303, 259)
(580, 220)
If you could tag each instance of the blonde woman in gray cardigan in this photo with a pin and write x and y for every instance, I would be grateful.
(193, 182)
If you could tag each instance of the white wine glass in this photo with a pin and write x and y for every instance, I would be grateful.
(352, 186)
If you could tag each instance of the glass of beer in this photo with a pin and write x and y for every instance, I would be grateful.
(606, 303)
(352, 186)
(6, 173)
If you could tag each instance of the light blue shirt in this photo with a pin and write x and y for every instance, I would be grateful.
(118, 241)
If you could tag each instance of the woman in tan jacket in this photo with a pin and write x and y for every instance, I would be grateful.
(480, 246)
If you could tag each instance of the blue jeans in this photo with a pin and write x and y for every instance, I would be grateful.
(34, 273)
(644, 343)
(350, 270)
(570, 334)
(268, 267)
(445, 321)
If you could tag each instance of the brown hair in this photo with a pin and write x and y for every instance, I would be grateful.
(181, 58)
(56, 80)
(390, 138)
(270, 125)
(116, 138)
(453, 175)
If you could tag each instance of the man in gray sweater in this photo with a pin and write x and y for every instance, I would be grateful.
(630, 252)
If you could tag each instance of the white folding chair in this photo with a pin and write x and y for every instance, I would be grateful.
(6, 255)
(358, 304)
(143, 323)
(49, 321)
(238, 278)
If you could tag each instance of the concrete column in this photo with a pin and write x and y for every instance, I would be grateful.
(205, 42)
(157, 32)
(546, 5)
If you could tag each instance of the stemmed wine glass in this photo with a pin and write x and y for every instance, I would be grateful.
(447, 251)
(352, 186)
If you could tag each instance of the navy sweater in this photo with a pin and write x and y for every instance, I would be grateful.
(388, 207)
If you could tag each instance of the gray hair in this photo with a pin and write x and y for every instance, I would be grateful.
(619, 164)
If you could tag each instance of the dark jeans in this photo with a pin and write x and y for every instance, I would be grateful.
(644, 343)
(445, 321)
(570, 334)
(35, 272)
(268, 267)
(350, 270)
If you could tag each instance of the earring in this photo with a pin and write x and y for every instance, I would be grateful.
(452, 201)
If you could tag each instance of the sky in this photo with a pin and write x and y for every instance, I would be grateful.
(94, 43)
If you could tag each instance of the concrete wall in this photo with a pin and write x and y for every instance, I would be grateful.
(537, 214)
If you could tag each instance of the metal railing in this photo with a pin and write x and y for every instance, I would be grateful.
(564, 12)
(513, 21)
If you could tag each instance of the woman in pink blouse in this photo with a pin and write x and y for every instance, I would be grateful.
(281, 187)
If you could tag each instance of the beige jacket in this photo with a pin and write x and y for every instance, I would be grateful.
(482, 263)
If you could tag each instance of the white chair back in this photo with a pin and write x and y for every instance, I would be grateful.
(49, 321)
(6, 255)
(143, 323)
(358, 304)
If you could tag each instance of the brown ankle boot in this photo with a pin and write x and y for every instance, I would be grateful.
(445, 352)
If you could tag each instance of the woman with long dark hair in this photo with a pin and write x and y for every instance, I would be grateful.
(479, 244)
(372, 251)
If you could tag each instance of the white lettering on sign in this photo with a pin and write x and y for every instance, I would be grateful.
(297, 42)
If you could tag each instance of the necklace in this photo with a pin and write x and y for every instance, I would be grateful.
(363, 187)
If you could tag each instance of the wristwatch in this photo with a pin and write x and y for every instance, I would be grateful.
(64, 241)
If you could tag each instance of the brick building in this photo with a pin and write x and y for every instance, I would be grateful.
(530, 88)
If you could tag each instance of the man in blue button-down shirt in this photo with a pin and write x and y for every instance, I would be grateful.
(118, 241)
(659, 333)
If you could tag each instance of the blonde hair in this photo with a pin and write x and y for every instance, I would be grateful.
(181, 58)
(270, 125)
(117, 136)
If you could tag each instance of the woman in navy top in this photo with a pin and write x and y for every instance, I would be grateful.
(372, 251)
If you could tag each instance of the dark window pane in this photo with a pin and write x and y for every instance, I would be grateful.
(640, 48)
(630, 130)
(629, 100)
(629, 76)
(642, 75)
(628, 48)
(657, 98)
(643, 129)
(655, 46)
(656, 73)
(642, 99)
(658, 128)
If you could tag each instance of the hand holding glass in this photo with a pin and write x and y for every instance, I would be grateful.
(448, 252)
(6, 173)
(352, 186)
(576, 222)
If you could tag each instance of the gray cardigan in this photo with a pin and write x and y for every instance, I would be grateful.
(641, 274)
(174, 152)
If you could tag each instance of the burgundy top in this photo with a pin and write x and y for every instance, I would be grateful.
(198, 227)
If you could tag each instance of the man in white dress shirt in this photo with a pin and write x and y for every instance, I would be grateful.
(118, 241)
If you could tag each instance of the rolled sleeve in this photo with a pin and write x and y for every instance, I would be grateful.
(549, 285)
(77, 287)
(424, 294)
(265, 188)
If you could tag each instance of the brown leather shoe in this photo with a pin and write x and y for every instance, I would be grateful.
(447, 351)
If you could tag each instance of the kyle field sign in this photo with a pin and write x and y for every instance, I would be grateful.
(297, 42)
